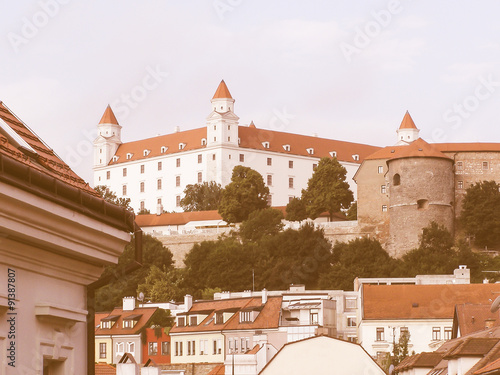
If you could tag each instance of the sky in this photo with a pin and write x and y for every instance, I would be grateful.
(346, 70)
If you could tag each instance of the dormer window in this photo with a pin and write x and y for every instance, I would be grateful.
(310, 151)
(333, 154)
(131, 321)
(245, 316)
(129, 155)
(203, 141)
(146, 152)
(355, 157)
(181, 321)
(115, 158)
(163, 149)
(109, 321)
(265, 144)
(181, 146)
(286, 147)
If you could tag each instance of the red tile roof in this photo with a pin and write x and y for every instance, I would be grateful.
(104, 369)
(45, 160)
(473, 317)
(222, 91)
(250, 138)
(176, 218)
(418, 148)
(489, 368)
(108, 117)
(467, 147)
(218, 370)
(421, 301)
(268, 316)
(421, 360)
(407, 122)
(117, 329)
(99, 316)
(472, 347)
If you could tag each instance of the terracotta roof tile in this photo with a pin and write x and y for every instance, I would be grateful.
(44, 160)
(117, 329)
(473, 317)
(222, 91)
(467, 147)
(268, 317)
(250, 138)
(407, 122)
(474, 346)
(421, 301)
(418, 148)
(421, 360)
(495, 365)
(104, 369)
(176, 218)
(108, 117)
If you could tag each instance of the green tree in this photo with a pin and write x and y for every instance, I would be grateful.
(144, 211)
(153, 253)
(111, 197)
(162, 285)
(261, 223)
(202, 197)
(327, 189)
(244, 194)
(361, 257)
(400, 349)
(352, 212)
(296, 210)
(480, 214)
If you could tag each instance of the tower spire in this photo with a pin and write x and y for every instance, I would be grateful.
(108, 117)
(407, 132)
(222, 91)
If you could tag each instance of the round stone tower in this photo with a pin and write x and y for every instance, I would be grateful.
(421, 190)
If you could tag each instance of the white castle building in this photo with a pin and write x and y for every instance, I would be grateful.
(154, 172)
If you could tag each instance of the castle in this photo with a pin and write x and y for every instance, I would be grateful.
(399, 188)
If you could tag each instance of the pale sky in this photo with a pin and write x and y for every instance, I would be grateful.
(345, 70)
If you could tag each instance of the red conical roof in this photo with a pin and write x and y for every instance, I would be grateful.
(108, 117)
(407, 122)
(222, 92)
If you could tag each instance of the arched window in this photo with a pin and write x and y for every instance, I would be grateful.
(396, 180)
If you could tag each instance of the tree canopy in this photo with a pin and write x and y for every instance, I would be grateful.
(327, 189)
(261, 223)
(296, 210)
(202, 197)
(480, 214)
(111, 197)
(244, 194)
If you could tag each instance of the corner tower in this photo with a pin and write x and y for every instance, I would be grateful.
(108, 138)
(407, 132)
(222, 123)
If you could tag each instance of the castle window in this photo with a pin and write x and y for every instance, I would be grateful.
(158, 201)
(142, 168)
(203, 141)
(384, 208)
(229, 139)
(355, 157)
(178, 200)
(213, 156)
(108, 175)
(310, 151)
(215, 127)
(315, 166)
(115, 158)
(290, 182)
(242, 158)
(142, 187)
(380, 169)
(178, 162)
(146, 152)
(422, 204)
(269, 161)
(200, 158)
(333, 154)
(229, 127)
(124, 172)
(286, 147)
(269, 180)
(290, 164)
(141, 206)
(460, 165)
(100, 150)
(269, 200)
(124, 190)
(181, 146)
(200, 177)
(460, 184)
(163, 149)
(177, 181)
(396, 180)
(265, 144)
(215, 139)
(159, 165)
(158, 184)
(485, 165)
(129, 156)
(383, 189)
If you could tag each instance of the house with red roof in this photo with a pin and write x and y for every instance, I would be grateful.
(154, 172)
(425, 312)
(120, 332)
(156, 346)
(56, 236)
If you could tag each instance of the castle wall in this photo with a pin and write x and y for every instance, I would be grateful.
(425, 193)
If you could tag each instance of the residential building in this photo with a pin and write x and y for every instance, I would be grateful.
(156, 346)
(56, 236)
(120, 332)
(424, 311)
(322, 355)
(154, 172)
(469, 318)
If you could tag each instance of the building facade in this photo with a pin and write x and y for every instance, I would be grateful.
(154, 172)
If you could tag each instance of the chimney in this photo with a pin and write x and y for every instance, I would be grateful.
(128, 303)
(264, 296)
(177, 129)
(159, 209)
(188, 302)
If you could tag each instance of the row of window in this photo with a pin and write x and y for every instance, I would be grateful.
(436, 333)
(238, 345)
(153, 348)
(459, 166)
(127, 323)
(189, 347)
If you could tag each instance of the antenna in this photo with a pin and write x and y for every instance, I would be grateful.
(495, 305)
(140, 297)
